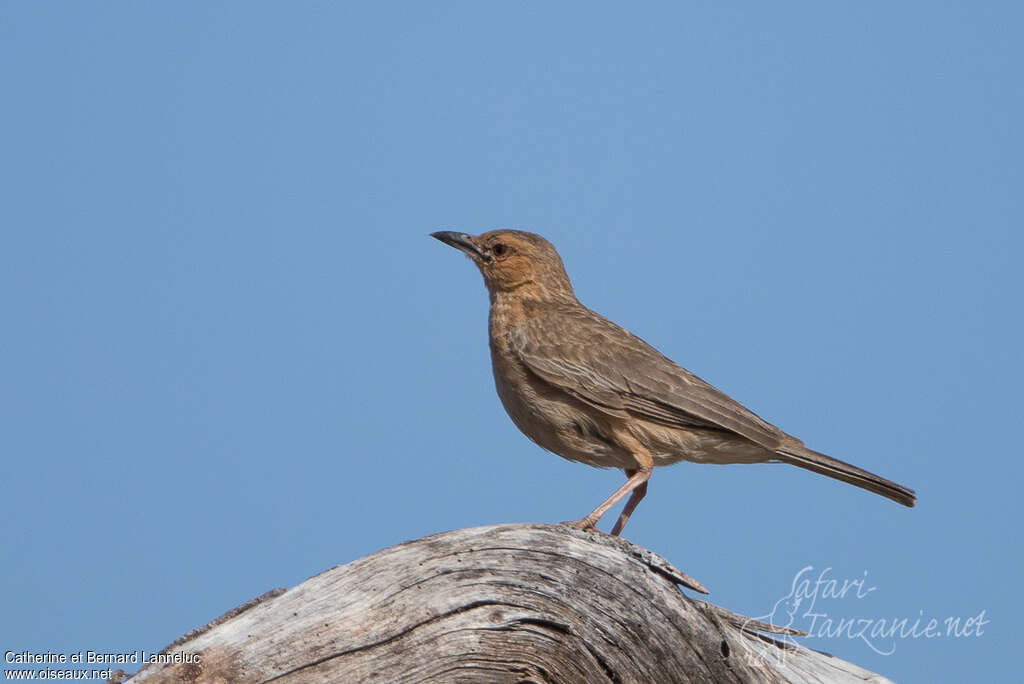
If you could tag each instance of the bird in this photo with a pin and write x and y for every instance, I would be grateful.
(590, 391)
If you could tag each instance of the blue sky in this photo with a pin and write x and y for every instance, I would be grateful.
(232, 357)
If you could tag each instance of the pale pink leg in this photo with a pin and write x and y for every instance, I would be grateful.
(637, 484)
(627, 511)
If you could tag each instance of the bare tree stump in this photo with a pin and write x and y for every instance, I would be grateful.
(505, 603)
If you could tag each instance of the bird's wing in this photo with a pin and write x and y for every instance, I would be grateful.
(611, 369)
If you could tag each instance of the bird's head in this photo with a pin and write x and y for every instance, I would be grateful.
(514, 261)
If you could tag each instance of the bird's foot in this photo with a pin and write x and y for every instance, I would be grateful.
(582, 524)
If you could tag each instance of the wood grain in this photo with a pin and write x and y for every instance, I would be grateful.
(504, 603)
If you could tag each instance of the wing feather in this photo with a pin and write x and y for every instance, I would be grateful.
(611, 369)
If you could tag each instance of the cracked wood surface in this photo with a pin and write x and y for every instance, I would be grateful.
(504, 603)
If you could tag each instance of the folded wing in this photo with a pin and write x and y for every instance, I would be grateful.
(611, 369)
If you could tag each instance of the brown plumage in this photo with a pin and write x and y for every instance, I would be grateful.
(590, 391)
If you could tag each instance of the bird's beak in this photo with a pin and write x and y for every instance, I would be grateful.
(459, 241)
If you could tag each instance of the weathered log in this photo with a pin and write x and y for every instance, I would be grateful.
(505, 603)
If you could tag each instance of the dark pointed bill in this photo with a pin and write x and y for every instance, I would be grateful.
(459, 241)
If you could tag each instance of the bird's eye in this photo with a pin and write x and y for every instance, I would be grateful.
(499, 248)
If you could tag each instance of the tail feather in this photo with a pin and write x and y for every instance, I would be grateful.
(840, 470)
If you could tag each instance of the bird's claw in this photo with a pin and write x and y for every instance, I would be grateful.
(583, 524)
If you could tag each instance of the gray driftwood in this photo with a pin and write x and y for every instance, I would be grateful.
(506, 603)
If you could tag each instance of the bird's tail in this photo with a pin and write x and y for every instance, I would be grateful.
(840, 470)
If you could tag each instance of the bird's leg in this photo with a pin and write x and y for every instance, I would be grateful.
(637, 484)
(634, 499)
